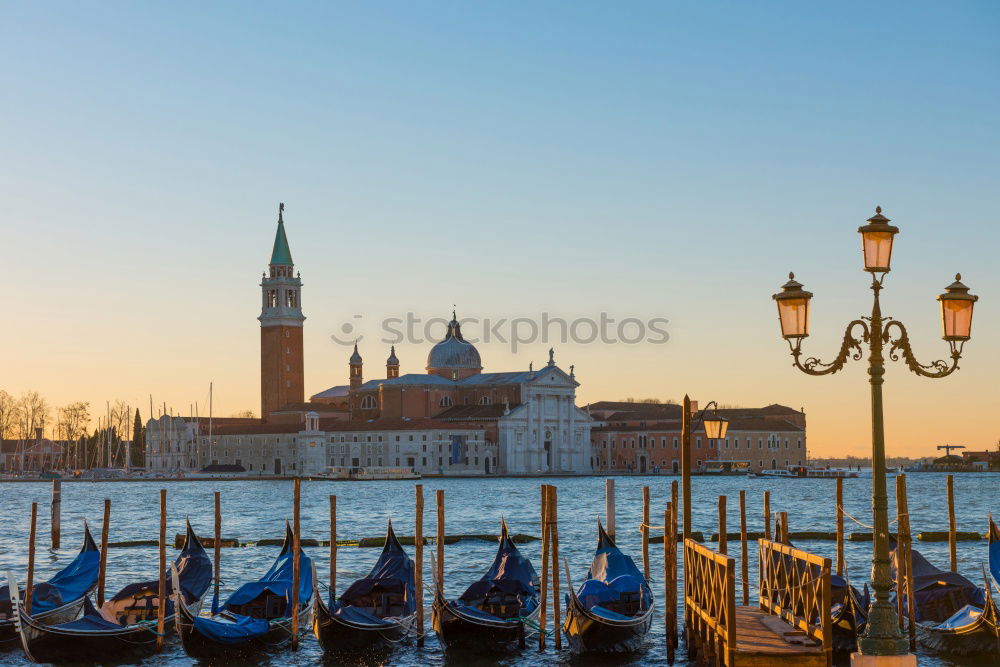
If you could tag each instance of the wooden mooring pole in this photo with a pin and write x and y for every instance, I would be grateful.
(296, 565)
(840, 526)
(545, 567)
(161, 599)
(218, 544)
(723, 536)
(906, 542)
(744, 564)
(439, 497)
(669, 606)
(645, 531)
(767, 514)
(554, 538)
(952, 534)
(102, 568)
(333, 549)
(609, 507)
(686, 463)
(418, 560)
(783, 527)
(30, 583)
(56, 510)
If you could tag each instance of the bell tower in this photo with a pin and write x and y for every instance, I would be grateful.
(281, 362)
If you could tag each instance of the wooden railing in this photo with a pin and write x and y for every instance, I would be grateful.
(709, 605)
(795, 586)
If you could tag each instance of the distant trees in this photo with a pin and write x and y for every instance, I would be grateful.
(8, 411)
(245, 414)
(71, 427)
(32, 411)
(138, 452)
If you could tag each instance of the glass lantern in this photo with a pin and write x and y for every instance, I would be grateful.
(793, 309)
(956, 311)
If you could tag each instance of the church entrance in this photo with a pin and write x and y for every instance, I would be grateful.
(675, 467)
(548, 455)
(642, 464)
(487, 465)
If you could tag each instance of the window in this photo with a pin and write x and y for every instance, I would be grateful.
(675, 443)
(368, 403)
(446, 402)
(485, 400)
(698, 443)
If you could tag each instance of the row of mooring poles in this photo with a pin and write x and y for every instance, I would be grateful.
(550, 547)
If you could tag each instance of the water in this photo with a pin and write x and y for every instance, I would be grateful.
(252, 510)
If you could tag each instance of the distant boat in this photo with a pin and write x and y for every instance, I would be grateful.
(802, 472)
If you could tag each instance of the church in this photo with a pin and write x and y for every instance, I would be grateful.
(453, 418)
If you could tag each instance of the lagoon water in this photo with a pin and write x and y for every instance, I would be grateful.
(254, 510)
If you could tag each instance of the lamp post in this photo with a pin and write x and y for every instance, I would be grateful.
(881, 636)
(715, 428)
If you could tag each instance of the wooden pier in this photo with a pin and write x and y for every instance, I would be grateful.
(781, 630)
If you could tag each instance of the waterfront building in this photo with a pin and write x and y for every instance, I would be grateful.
(642, 437)
(36, 453)
(452, 418)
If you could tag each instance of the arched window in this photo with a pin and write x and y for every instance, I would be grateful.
(368, 403)
(485, 400)
(446, 402)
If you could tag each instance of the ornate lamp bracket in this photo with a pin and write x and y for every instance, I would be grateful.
(900, 347)
(813, 366)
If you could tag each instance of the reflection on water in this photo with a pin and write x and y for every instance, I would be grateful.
(253, 510)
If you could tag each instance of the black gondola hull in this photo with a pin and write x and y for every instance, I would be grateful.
(197, 645)
(47, 644)
(981, 637)
(338, 636)
(587, 633)
(458, 630)
(64, 614)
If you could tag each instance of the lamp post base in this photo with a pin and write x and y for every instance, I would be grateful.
(905, 660)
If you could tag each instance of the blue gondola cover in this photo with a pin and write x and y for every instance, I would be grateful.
(70, 583)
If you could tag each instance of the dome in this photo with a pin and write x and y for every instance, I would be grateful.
(392, 360)
(355, 358)
(454, 352)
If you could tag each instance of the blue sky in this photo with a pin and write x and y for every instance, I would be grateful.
(648, 159)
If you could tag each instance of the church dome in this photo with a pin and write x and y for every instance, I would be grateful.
(454, 353)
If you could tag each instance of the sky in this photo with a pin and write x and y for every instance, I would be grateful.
(644, 160)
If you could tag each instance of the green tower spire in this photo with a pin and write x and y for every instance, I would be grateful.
(281, 255)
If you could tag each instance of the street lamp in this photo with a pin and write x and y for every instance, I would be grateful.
(715, 428)
(881, 636)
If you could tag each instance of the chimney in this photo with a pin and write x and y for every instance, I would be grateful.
(38, 434)
(694, 407)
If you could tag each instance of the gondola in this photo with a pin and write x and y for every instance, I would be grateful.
(491, 613)
(58, 600)
(849, 614)
(374, 612)
(126, 624)
(953, 616)
(612, 610)
(254, 618)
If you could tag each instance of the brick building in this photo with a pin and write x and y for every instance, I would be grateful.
(643, 437)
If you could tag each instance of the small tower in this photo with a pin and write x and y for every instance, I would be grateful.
(282, 379)
(392, 364)
(355, 365)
